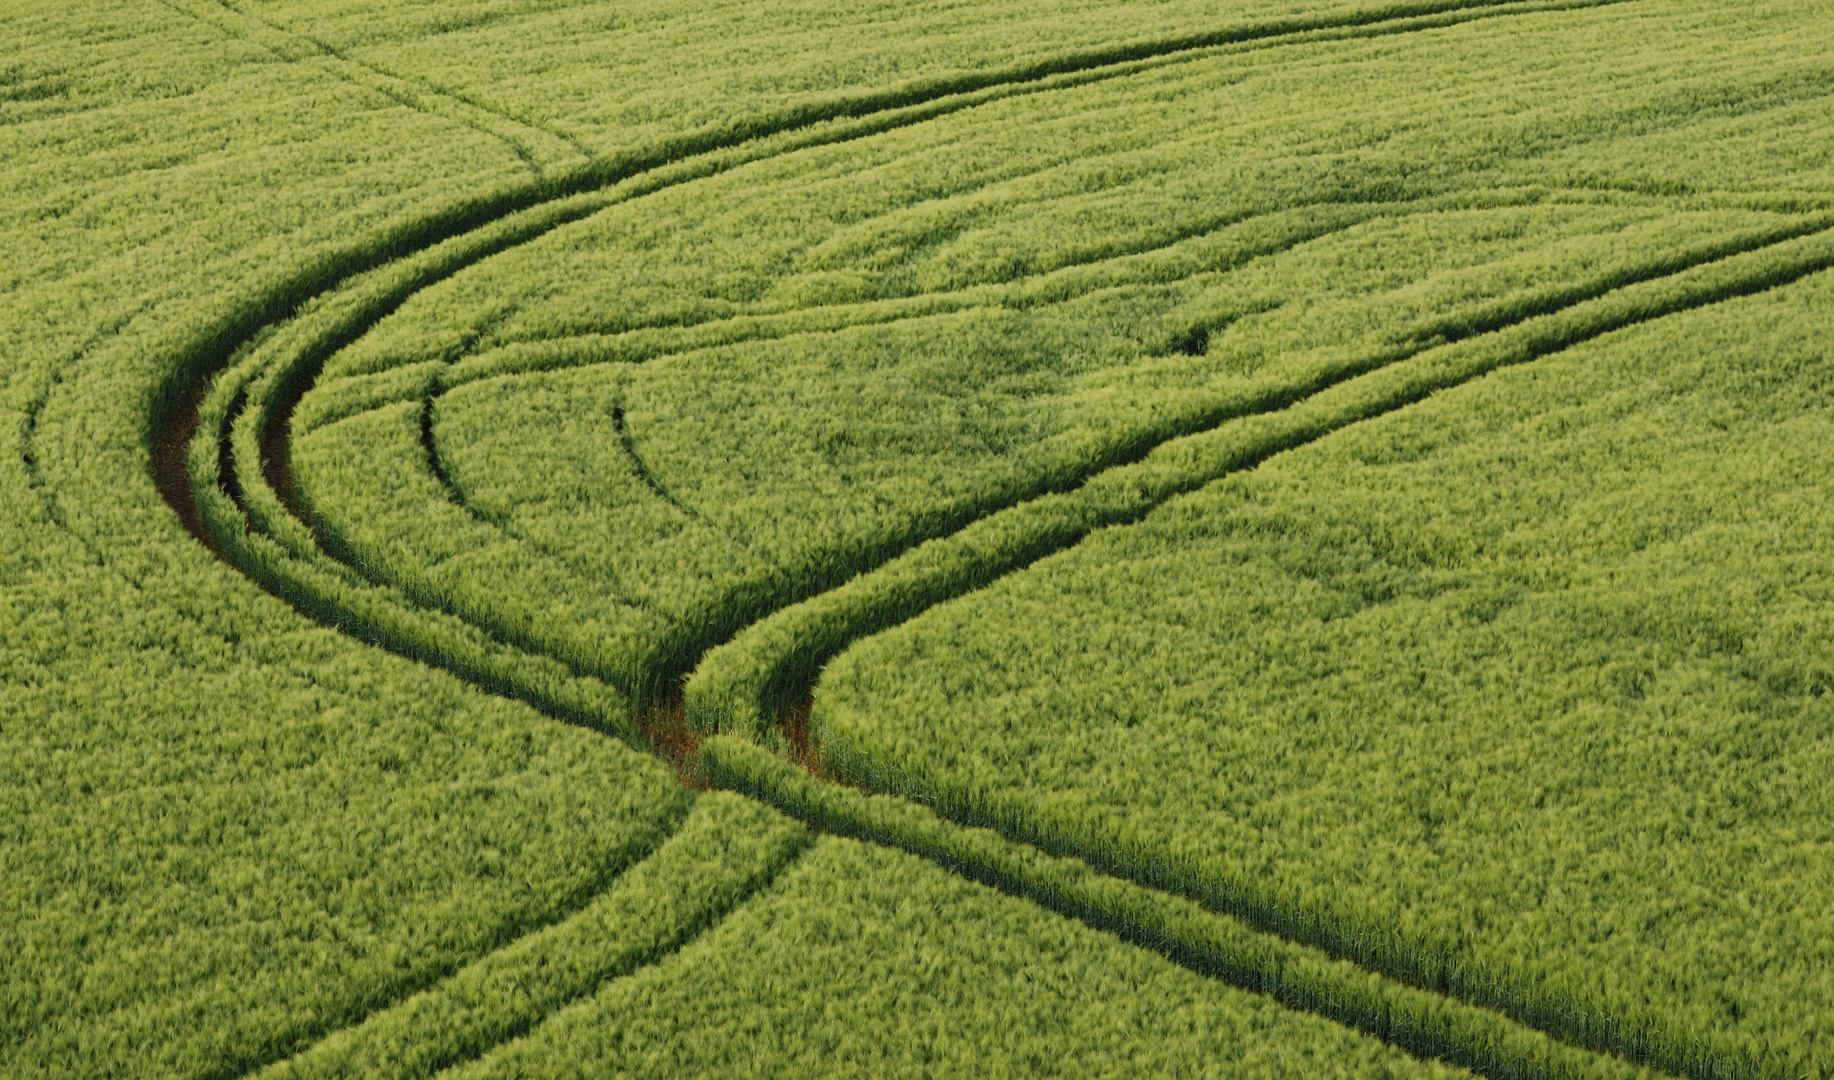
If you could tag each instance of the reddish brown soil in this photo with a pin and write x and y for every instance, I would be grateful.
(169, 474)
(664, 725)
(276, 448)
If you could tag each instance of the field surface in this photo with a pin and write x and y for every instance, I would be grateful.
(1202, 538)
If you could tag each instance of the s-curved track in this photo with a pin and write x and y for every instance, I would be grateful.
(199, 464)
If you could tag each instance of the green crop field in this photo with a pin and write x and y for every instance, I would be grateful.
(1236, 538)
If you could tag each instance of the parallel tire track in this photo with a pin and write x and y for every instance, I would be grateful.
(434, 249)
(743, 684)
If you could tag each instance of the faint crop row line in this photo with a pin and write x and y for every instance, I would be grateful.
(1074, 279)
(1135, 264)
(536, 147)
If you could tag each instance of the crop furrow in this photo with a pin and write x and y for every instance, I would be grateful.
(629, 449)
(294, 47)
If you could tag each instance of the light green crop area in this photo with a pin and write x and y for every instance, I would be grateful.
(1317, 505)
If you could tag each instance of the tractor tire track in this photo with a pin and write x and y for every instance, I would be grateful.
(473, 234)
(177, 428)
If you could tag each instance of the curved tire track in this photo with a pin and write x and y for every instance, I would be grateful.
(176, 431)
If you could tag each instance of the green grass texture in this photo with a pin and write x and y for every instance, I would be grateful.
(1201, 538)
